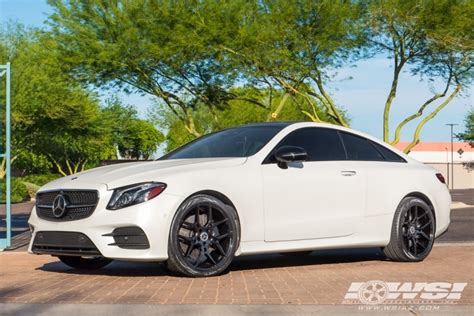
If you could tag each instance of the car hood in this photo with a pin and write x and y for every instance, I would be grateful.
(121, 174)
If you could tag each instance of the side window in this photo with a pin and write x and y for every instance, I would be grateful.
(321, 144)
(388, 154)
(359, 148)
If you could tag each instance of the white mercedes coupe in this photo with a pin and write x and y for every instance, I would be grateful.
(262, 188)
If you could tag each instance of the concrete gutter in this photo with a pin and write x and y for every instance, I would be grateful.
(9, 309)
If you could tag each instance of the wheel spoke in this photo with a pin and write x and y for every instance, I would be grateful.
(196, 217)
(209, 217)
(187, 240)
(413, 240)
(416, 215)
(220, 237)
(422, 215)
(221, 222)
(420, 244)
(422, 233)
(189, 226)
(189, 250)
(426, 224)
(200, 259)
(210, 258)
(219, 247)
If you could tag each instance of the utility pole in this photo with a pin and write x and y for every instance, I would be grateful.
(452, 154)
(448, 178)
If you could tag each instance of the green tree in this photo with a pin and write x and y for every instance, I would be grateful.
(431, 38)
(238, 112)
(55, 121)
(133, 137)
(290, 47)
(152, 47)
(468, 134)
(194, 54)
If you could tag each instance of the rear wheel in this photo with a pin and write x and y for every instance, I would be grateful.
(413, 231)
(82, 263)
(203, 237)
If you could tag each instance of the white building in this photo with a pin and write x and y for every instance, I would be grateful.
(438, 155)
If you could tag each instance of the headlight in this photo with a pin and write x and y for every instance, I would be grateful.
(135, 194)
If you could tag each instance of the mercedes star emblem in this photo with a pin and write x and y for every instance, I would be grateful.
(59, 206)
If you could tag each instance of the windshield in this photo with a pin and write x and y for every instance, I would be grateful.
(233, 142)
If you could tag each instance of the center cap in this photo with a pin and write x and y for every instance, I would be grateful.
(204, 236)
(412, 230)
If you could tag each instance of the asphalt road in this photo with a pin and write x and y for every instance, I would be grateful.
(460, 230)
(466, 196)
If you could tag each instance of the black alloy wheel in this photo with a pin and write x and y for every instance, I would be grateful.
(413, 231)
(203, 238)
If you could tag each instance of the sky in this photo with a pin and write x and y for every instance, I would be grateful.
(362, 96)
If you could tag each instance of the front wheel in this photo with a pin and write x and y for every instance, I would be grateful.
(413, 231)
(82, 263)
(203, 237)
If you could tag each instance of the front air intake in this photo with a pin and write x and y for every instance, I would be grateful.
(64, 243)
(129, 238)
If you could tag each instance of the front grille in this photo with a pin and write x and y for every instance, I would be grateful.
(79, 204)
(131, 237)
(64, 243)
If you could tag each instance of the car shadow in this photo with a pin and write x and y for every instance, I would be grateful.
(319, 257)
(251, 262)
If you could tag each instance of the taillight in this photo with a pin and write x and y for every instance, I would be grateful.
(440, 178)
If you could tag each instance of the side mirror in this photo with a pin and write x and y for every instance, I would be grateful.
(286, 154)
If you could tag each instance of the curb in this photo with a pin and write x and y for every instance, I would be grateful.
(13, 309)
(460, 205)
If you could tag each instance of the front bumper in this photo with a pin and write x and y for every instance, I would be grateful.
(152, 217)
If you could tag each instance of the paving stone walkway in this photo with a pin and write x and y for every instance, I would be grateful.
(321, 278)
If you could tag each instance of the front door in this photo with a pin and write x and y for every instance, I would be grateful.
(322, 197)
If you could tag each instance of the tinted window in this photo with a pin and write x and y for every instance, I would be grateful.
(359, 148)
(320, 143)
(388, 154)
(234, 142)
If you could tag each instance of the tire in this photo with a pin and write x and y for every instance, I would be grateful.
(413, 231)
(204, 236)
(81, 263)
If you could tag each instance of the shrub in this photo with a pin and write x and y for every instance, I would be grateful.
(32, 189)
(40, 179)
(19, 191)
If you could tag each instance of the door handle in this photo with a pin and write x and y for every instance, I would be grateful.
(348, 173)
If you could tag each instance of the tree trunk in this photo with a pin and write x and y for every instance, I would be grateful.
(416, 134)
(389, 101)
(274, 115)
